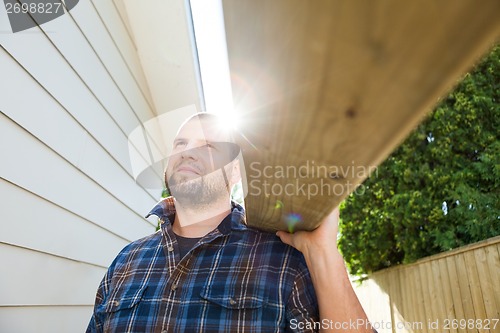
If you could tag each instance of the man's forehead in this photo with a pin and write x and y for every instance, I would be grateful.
(203, 129)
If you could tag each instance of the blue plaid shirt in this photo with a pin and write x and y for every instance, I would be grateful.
(235, 279)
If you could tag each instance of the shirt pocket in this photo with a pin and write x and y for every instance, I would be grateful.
(238, 305)
(232, 301)
(125, 297)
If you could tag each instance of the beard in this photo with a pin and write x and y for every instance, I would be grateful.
(199, 192)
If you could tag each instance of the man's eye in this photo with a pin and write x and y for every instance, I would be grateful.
(210, 145)
(179, 143)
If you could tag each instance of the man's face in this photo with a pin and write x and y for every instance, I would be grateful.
(194, 173)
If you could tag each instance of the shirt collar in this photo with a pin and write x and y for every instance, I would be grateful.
(165, 211)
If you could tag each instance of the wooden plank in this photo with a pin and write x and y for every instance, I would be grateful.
(340, 84)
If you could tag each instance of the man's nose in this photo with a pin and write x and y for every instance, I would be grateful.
(194, 150)
(189, 152)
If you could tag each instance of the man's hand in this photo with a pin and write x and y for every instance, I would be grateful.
(323, 238)
(337, 301)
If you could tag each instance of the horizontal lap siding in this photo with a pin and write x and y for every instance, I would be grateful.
(69, 232)
(71, 91)
(43, 279)
(44, 318)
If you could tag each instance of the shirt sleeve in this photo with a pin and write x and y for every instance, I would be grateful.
(96, 324)
(302, 307)
(96, 321)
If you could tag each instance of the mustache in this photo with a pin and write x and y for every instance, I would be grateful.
(192, 165)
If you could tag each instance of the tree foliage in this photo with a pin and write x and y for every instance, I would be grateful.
(440, 189)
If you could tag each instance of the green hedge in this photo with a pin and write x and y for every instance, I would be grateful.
(440, 189)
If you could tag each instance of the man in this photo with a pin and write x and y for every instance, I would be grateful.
(206, 271)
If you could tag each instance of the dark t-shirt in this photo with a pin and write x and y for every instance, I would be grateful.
(186, 244)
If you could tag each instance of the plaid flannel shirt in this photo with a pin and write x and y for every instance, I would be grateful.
(235, 279)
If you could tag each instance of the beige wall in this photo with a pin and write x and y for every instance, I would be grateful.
(70, 93)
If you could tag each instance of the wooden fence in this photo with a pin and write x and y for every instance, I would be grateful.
(455, 291)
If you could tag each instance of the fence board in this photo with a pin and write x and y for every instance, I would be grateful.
(486, 284)
(401, 298)
(418, 312)
(446, 290)
(464, 288)
(420, 299)
(426, 294)
(493, 258)
(458, 286)
(455, 286)
(395, 297)
(437, 282)
(477, 299)
(434, 298)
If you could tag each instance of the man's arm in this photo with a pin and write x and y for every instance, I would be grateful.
(337, 301)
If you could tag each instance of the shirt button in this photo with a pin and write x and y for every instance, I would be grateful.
(116, 303)
(232, 301)
(173, 287)
(170, 248)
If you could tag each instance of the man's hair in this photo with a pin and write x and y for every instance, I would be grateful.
(216, 119)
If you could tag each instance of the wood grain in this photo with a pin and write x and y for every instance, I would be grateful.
(340, 84)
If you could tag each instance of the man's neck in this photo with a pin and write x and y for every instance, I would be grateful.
(195, 223)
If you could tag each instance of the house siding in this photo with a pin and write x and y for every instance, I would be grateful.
(71, 91)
